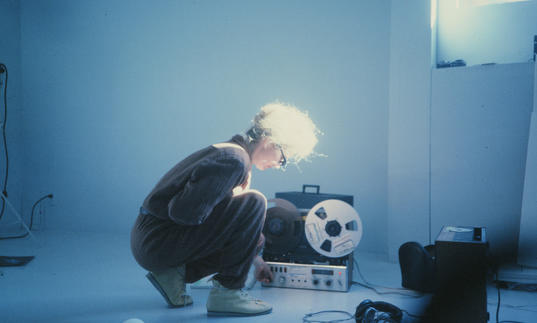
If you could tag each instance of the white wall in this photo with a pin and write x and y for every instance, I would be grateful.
(408, 157)
(116, 92)
(497, 33)
(527, 253)
(439, 171)
(10, 56)
(479, 135)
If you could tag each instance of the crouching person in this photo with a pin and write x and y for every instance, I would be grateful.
(202, 218)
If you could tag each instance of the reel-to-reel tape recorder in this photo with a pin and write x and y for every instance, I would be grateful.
(310, 238)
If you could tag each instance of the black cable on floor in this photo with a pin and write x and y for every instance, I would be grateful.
(3, 68)
(308, 318)
(498, 306)
(399, 291)
(15, 237)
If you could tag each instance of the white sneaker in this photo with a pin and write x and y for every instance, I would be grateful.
(171, 285)
(234, 302)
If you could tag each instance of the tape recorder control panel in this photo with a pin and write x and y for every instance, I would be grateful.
(305, 276)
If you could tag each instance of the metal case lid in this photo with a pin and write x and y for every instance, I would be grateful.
(306, 200)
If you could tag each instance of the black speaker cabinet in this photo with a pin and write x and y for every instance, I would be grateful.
(461, 269)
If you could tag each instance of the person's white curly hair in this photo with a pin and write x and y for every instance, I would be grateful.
(287, 127)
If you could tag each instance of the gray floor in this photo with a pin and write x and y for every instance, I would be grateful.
(93, 278)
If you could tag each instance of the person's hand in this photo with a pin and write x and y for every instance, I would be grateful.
(244, 186)
(262, 270)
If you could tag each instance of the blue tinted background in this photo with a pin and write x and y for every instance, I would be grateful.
(105, 96)
(115, 93)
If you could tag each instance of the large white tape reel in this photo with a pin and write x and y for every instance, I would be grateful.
(333, 228)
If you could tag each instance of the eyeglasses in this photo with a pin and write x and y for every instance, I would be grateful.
(283, 160)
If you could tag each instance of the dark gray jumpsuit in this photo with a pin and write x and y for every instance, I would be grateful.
(191, 218)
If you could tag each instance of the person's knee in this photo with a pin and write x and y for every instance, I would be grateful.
(255, 201)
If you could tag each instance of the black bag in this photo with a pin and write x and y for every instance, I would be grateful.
(417, 266)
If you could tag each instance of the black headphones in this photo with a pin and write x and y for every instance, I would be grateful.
(371, 312)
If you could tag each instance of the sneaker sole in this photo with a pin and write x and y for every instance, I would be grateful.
(213, 313)
(155, 284)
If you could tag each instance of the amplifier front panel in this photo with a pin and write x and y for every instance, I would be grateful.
(305, 276)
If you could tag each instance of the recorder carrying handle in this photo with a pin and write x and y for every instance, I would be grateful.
(318, 187)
